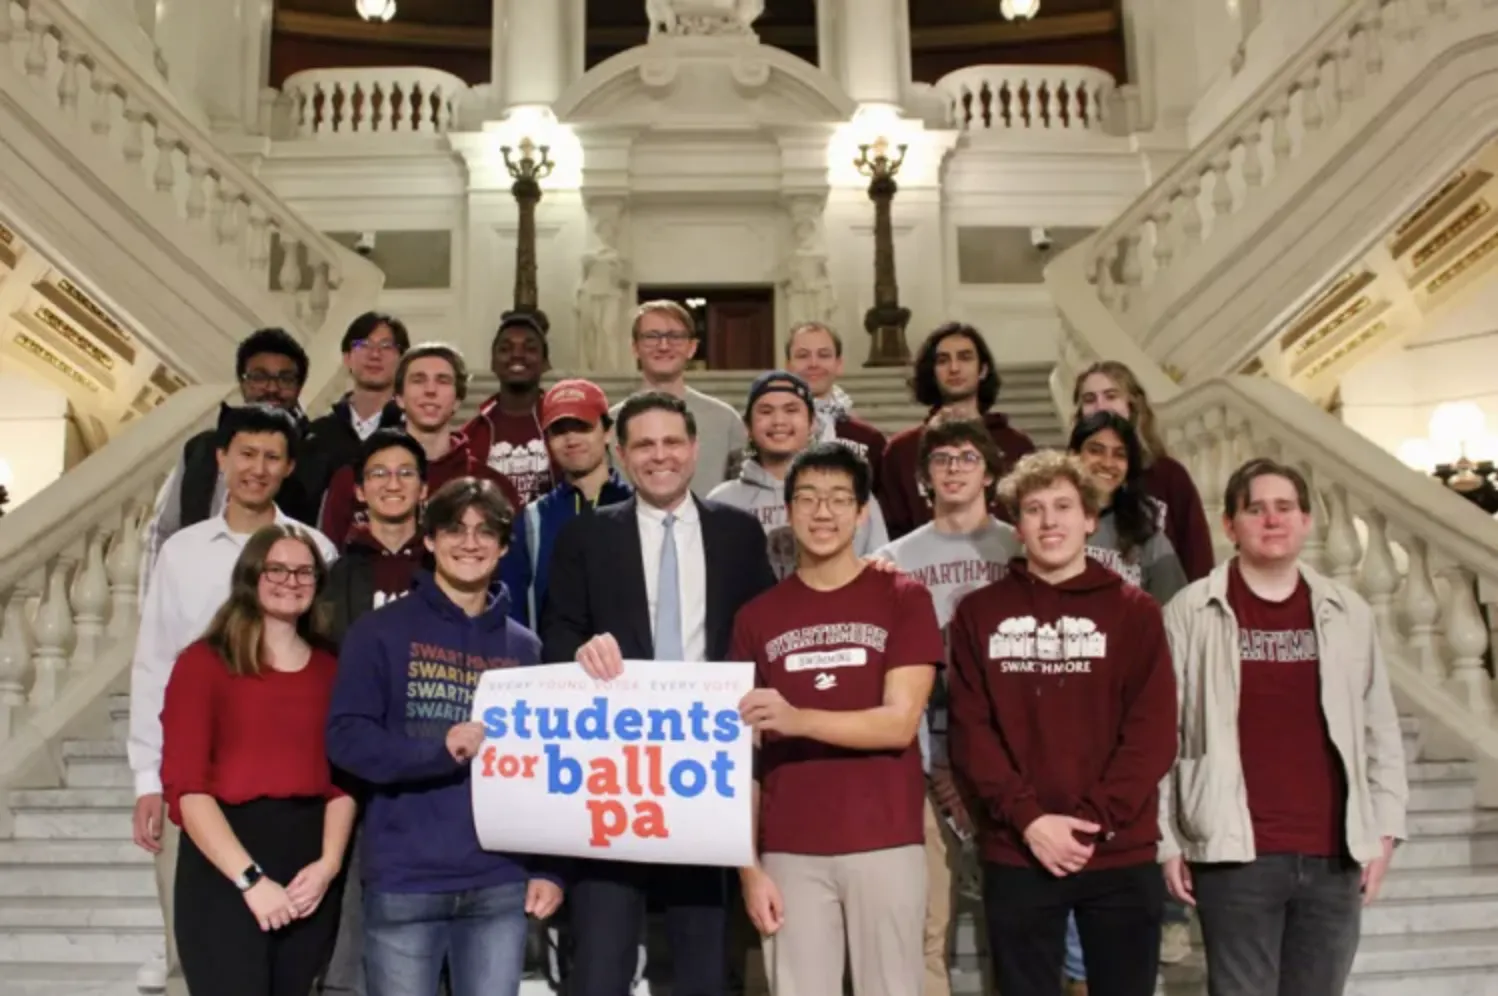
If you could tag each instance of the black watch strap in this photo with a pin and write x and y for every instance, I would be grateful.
(247, 878)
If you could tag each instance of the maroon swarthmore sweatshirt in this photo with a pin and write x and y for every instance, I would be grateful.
(900, 498)
(1063, 700)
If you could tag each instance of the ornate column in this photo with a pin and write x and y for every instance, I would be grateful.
(886, 320)
(528, 171)
(869, 37)
(530, 55)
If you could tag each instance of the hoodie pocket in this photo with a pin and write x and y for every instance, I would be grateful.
(1195, 805)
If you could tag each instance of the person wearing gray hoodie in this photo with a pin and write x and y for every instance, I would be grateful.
(779, 416)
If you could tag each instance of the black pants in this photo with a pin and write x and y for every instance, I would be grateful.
(223, 950)
(1284, 925)
(1118, 917)
(607, 902)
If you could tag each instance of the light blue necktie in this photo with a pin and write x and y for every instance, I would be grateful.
(668, 599)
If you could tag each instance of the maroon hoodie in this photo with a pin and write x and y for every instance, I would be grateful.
(900, 498)
(1169, 483)
(1062, 701)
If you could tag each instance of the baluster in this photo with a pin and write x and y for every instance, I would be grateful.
(67, 82)
(1222, 191)
(165, 175)
(1467, 636)
(1347, 75)
(1164, 237)
(1373, 54)
(228, 214)
(197, 194)
(318, 297)
(134, 146)
(289, 278)
(37, 30)
(7, 29)
(1191, 210)
(1253, 162)
(259, 254)
(15, 656)
(1280, 145)
(447, 107)
(90, 598)
(1084, 106)
(320, 108)
(1378, 579)
(52, 628)
(1423, 611)
(1314, 552)
(1343, 549)
(1132, 267)
(102, 120)
(423, 114)
(1107, 290)
(123, 567)
(1310, 101)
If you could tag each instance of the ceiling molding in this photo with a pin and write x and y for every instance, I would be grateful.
(955, 36)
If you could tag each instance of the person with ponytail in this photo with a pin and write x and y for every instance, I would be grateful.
(1112, 386)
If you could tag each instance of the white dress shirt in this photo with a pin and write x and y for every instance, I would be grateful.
(365, 427)
(691, 569)
(190, 582)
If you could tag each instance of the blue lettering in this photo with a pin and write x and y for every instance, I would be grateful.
(722, 768)
(726, 726)
(698, 714)
(564, 775)
(660, 719)
(552, 724)
(494, 722)
(683, 771)
(593, 720)
(627, 724)
(520, 712)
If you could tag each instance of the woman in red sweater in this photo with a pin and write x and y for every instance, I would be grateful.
(246, 775)
(1111, 386)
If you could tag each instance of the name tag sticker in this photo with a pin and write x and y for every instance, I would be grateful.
(823, 660)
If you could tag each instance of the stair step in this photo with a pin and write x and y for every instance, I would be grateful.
(97, 749)
(73, 869)
(1385, 958)
(71, 979)
(73, 798)
(125, 913)
(93, 823)
(91, 772)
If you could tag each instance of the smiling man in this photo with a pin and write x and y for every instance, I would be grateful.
(814, 352)
(1061, 651)
(1305, 774)
(845, 655)
(660, 576)
(665, 340)
(507, 433)
(779, 415)
(575, 418)
(430, 382)
(954, 377)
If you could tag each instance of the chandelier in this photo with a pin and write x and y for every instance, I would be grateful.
(1019, 10)
(377, 10)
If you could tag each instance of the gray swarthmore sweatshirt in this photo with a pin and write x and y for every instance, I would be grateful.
(759, 492)
(1153, 566)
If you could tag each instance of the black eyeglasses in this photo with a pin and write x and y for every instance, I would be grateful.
(260, 378)
(283, 573)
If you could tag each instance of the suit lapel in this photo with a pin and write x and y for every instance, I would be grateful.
(639, 596)
(716, 596)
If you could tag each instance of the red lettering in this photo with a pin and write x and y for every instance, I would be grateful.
(603, 777)
(632, 771)
(609, 819)
(488, 757)
(657, 785)
(530, 765)
(509, 766)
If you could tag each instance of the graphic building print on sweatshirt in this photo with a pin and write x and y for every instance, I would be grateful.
(1068, 647)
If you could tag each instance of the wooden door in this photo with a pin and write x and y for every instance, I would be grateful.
(741, 335)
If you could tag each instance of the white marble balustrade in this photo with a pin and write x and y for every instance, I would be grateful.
(138, 133)
(378, 100)
(1053, 99)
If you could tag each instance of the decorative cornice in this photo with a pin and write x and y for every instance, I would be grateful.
(1347, 347)
(1326, 331)
(1468, 260)
(56, 362)
(76, 339)
(1451, 232)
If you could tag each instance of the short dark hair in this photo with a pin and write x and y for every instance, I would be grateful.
(426, 349)
(652, 401)
(275, 342)
(521, 320)
(256, 418)
(368, 323)
(923, 383)
(832, 458)
(390, 439)
(956, 432)
(1134, 511)
(799, 327)
(1235, 496)
(446, 508)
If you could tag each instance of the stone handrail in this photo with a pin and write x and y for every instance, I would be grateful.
(136, 130)
(1242, 185)
(1052, 99)
(378, 100)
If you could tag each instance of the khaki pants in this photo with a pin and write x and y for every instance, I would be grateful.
(166, 883)
(874, 902)
(941, 852)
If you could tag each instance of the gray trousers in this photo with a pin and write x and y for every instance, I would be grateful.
(345, 973)
(1283, 925)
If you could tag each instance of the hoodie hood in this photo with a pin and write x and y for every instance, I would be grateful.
(361, 539)
(1094, 578)
(496, 612)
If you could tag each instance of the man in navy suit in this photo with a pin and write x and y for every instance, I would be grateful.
(632, 581)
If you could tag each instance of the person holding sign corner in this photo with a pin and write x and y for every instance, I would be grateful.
(657, 577)
(846, 655)
(400, 722)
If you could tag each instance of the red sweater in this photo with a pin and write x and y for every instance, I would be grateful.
(1062, 700)
(239, 739)
(342, 510)
(1186, 527)
(900, 498)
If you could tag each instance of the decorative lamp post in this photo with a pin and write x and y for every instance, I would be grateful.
(533, 166)
(886, 320)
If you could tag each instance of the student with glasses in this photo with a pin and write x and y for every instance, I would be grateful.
(245, 774)
(665, 340)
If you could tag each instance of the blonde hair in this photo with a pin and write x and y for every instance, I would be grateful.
(1043, 468)
(238, 626)
(664, 306)
(1141, 414)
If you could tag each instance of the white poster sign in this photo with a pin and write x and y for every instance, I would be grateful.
(653, 766)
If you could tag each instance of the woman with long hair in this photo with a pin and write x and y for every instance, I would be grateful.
(1111, 386)
(245, 773)
(1129, 539)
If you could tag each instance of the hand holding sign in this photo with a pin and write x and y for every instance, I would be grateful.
(464, 740)
(600, 658)
(767, 711)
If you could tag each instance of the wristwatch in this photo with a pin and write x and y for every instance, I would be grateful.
(247, 878)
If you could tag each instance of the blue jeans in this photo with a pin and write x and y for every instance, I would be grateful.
(480, 932)
(1073, 966)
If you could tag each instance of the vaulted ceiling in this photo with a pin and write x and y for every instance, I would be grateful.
(454, 34)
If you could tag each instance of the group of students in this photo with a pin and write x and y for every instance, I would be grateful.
(954, 637)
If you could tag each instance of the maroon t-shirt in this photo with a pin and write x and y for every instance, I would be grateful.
(512, 445)
(1296, 789)
(831, 650)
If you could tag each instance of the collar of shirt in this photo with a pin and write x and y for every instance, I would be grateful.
(223, 530)
(685, 512)
(365, 427)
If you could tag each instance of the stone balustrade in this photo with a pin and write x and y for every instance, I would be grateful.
(379, 100)
(135, 131)
(1051, 99)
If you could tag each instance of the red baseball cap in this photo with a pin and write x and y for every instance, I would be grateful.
(582, 400)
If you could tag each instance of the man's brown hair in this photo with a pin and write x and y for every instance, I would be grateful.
(664, 306)
(1235, 496)
(956, 432)
(1038, 471)
(449, 353)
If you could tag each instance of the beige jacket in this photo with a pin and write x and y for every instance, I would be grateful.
(1203, 805)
